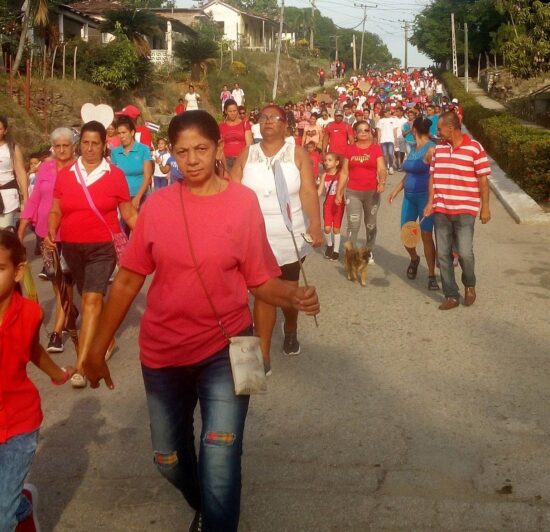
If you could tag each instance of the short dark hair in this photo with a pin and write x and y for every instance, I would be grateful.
(199, 120)
(450, 118)
(229, 103)
(127, 122)
(95, 127)
(422, 125)
(280, 111)
(12, 244)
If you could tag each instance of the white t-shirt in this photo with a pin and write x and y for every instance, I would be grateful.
(399, 123)
(238, 96)
(192, 101)
(256, 133)
(324, 123)
(386, 127)
(163, 159)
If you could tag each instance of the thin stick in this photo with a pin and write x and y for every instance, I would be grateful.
(301, 268)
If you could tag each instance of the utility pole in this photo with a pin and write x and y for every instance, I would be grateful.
(335, 37)
(311, 29)
(453, 37)
(466, 65)
(278, 56)
(364, 6)
(406, 28)
(354, 53)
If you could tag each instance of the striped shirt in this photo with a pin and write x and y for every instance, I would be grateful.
(456, 174)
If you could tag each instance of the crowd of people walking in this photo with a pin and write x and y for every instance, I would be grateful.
(218, 233)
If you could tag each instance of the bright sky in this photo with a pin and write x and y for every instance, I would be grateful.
(383, 20)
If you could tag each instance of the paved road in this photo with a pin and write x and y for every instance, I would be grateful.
(396, 416)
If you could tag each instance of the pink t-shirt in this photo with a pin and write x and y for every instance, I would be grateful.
(178, 327)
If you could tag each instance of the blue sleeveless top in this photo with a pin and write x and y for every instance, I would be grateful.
(418, 172)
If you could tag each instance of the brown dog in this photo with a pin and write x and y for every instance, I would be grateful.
(356, 262)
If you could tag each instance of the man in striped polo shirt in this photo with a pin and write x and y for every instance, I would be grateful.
(459, 191)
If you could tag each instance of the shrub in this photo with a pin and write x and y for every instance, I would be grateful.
(238, 67)
(522, 152)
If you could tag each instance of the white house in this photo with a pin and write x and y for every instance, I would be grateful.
(244, 30)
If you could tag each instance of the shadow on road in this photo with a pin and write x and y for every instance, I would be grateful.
(62, 460)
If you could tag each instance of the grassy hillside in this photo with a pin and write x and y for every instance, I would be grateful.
(56, 102)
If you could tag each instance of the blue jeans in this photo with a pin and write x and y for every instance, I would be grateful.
(211, 484)
(387, 150)
(160, 182)
(455, 231)
(15, 462)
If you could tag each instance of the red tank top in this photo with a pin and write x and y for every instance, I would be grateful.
(20, 410)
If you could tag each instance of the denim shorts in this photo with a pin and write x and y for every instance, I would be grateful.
(412, 210)
(91, 264)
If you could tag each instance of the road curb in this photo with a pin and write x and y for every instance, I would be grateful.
(521, 207)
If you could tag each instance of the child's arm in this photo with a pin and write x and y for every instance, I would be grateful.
(321, 187)
(43, 361)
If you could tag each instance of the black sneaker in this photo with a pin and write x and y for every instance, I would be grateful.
(291, 346)
(328, 252)
(55, 345)
(43, 274)
(335, 256)
(196, 524)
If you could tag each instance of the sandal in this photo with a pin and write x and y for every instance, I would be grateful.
(78, 381)
(432, 283)
(413, 268)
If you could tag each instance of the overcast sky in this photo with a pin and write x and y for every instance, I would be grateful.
(383, 20)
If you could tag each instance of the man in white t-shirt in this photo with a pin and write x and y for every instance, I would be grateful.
(387, 136)
(324, 119)
(192, 99)
(401, 148)
(238, 95)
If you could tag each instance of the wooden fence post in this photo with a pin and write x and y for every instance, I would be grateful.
(28, 87)
(53, 59)
(63, 63)
(74, 62)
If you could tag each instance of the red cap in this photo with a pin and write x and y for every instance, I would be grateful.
(359, 113)
(130, 110)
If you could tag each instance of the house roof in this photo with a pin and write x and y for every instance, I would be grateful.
(95, 10)
(244, 13)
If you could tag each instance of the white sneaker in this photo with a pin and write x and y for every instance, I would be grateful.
(371, 259)
(391, 170)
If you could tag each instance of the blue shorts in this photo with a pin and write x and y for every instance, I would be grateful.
(412, 209)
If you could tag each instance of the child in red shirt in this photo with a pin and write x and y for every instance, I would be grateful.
(20, 412)
(332, 212)
(315, 157)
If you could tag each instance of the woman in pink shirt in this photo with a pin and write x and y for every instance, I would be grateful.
(235, 132)
(36, 212)
(218, 231)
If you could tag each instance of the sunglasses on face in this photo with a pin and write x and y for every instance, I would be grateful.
(269, 118)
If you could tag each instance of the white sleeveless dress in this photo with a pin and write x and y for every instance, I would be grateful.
(258, 176)
(10, 196)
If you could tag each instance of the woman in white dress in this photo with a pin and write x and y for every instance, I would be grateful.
(255, 169)
(192, 99)
(14, 182)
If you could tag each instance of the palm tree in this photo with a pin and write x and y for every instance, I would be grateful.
(135, 24)
(196, 52)
(40, 10)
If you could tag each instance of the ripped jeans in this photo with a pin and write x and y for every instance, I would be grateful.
(362, 204)
(211, 484)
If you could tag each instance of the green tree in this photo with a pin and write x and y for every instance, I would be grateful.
(135, 24)
(526, 42)
(194, 52)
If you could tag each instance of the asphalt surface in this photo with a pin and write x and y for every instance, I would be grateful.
(396, 416)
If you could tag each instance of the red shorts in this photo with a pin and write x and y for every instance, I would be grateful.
(332, 213)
